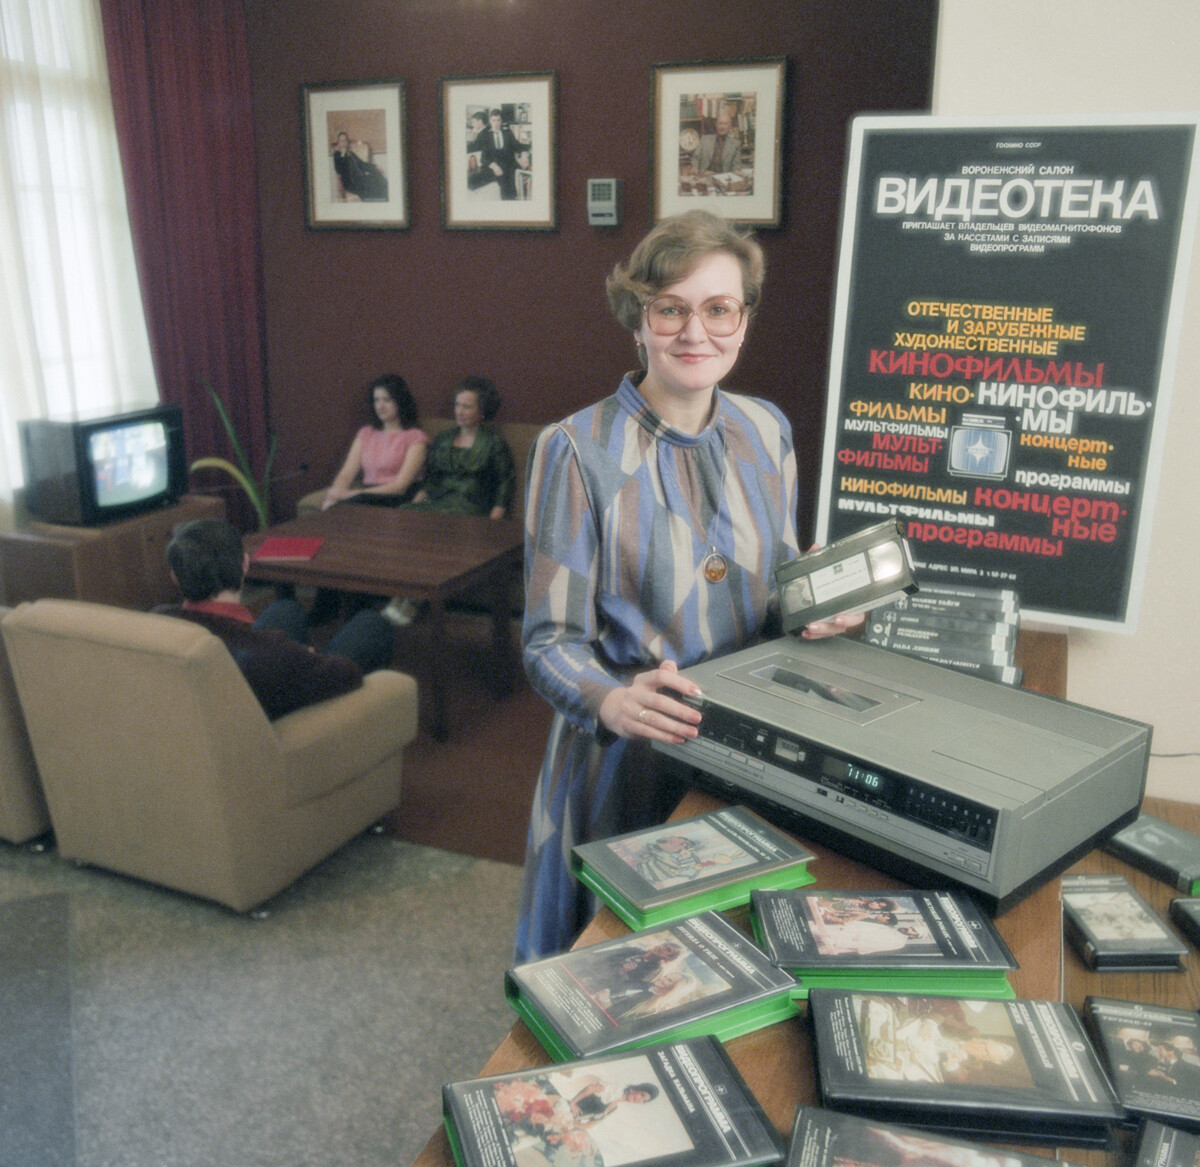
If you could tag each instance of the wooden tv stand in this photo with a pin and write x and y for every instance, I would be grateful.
(122, 563)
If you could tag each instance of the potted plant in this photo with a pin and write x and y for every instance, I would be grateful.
(258, 491)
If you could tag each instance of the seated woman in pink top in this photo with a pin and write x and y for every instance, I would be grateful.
(384, 467)
(386, 461)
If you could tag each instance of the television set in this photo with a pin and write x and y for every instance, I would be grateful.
(85, 471)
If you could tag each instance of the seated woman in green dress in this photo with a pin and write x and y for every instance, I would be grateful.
(469, 469)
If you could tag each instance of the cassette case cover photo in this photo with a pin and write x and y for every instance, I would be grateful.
(707, 863)
(827, 1138)
(1022, 1071)
(1114, 929)
(1153, 1058)
(914, 941)
(694, 977)
(682, 1103)
(1164, 1146)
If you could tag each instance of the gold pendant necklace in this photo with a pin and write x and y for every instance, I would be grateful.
(714, 566)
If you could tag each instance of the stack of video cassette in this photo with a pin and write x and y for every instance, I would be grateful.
(971, 629)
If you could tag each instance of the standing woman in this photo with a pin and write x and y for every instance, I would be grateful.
(388, 457)
(655, 521)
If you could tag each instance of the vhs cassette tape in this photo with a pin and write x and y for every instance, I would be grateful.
(867, 568)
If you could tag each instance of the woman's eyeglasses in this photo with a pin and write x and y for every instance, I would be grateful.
(668, 315)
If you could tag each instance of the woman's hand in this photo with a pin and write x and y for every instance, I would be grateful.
(335, 494)
(645, 708)
(339, 489)
(833, 625)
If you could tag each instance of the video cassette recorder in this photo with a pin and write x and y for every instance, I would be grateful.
(928, 773)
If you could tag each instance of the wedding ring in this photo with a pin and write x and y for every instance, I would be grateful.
(642, 714)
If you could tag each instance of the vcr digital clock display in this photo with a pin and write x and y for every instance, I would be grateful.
(858, 776)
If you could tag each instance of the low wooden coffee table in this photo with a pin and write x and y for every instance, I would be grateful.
(424, 556)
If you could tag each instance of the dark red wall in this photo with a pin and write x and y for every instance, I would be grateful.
(527, 307)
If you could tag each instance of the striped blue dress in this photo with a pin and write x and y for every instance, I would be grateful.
(621, 511)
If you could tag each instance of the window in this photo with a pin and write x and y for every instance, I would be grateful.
(72, 331)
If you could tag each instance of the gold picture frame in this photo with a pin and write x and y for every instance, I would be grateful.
(499, 152)
(355, 159)
(717, 137)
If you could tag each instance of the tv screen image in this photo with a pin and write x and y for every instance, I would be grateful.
(979, 451)
(129, 462)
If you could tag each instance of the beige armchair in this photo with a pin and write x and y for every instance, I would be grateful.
(158, 762)
(23, 811)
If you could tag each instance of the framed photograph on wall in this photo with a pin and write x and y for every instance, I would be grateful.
(718, 139)
(354, 159)
(498, 152)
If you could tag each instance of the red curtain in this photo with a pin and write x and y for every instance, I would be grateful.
(180, 80)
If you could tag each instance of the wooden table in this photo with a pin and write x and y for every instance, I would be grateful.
(123, 563)
(1177, 990)
(419, 554)
(777, 1062)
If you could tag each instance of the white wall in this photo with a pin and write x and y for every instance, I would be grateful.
(1026, 57)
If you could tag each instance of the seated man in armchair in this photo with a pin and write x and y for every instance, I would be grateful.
(208, 563)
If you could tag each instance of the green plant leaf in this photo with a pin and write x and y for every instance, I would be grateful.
(259, 493)
(252, 491)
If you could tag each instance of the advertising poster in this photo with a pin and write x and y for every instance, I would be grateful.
(1008, 308)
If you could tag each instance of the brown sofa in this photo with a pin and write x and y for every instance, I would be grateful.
(158, 762)
(518, 434)
(23, 811)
